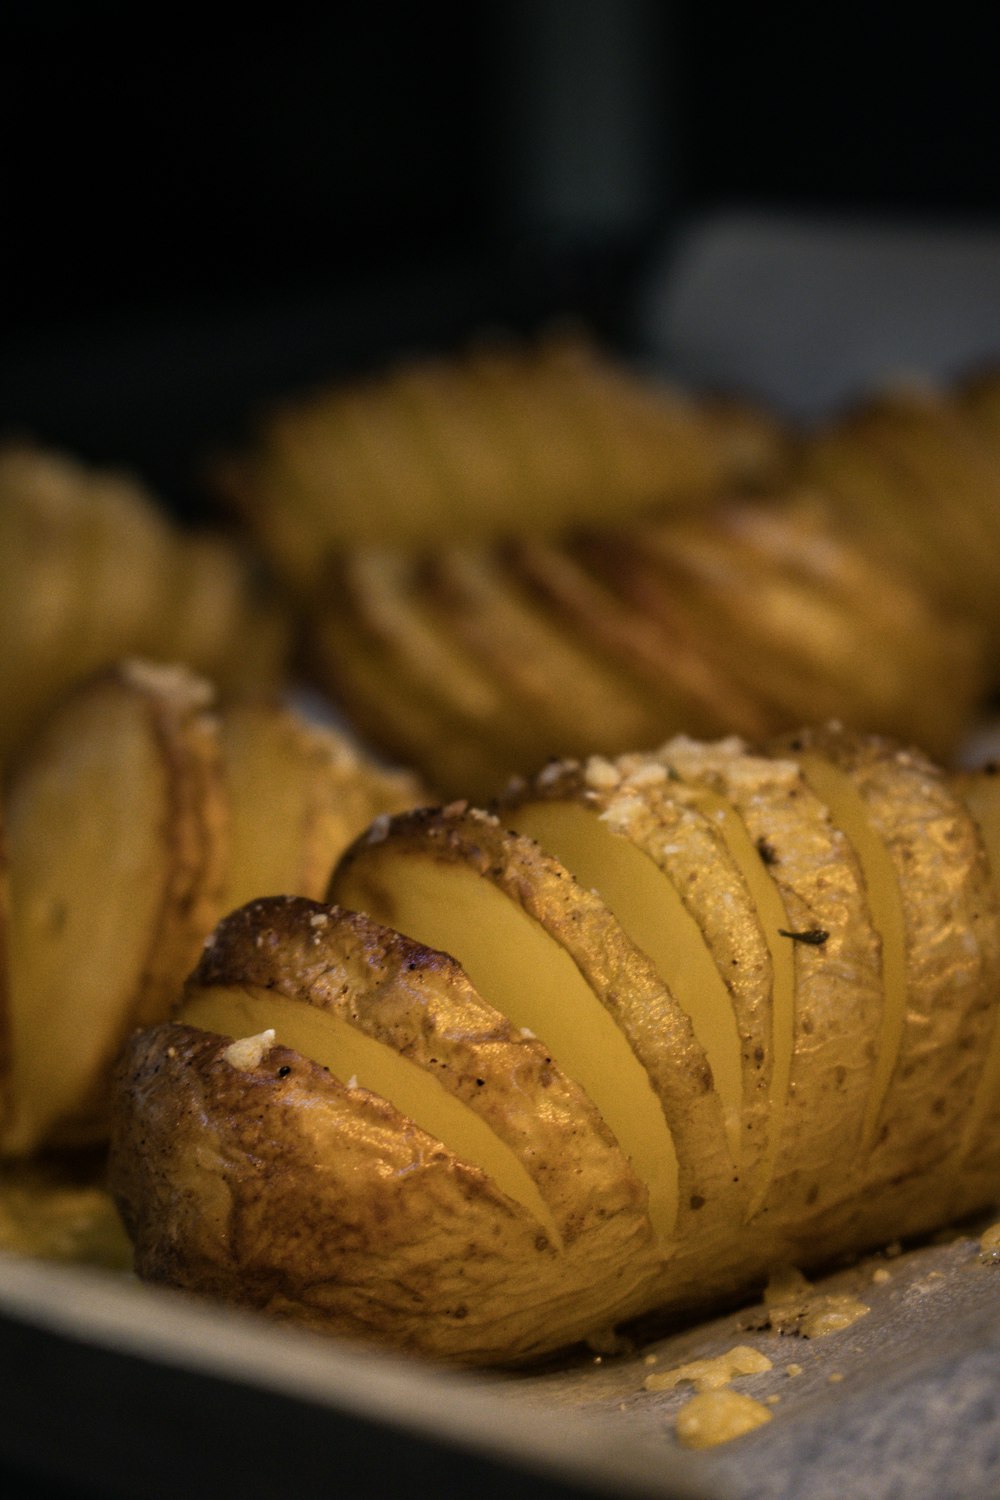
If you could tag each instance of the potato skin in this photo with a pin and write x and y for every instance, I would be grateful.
(659, 1033)
(279, 1188)
(419, 1003)
(950, 951)
(633, 797)
(270, 1183)
(117, 820)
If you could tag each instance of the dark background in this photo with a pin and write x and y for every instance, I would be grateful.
(203, 207)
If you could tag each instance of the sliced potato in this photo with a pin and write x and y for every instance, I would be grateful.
(472, 421)
(58, 1209)
(436, 700)
(5, 1019)
(548, 954)
(792, 613)
(979, 790)
(116, 825)
(364, 678)
(871, 501)
(664, 870)
(823, 924)
(388, 1015)
(759, 442)
(91, 571)
(225, 618)
(455, 1261)
(125, 577)
(42, 601)
(575, 581)
(525, 652)
(948, 480)
(598, 1180)
(593, 438)
(495, 659)
(905, 472)
(920, 855)
(505, 438)
(299, 793)
(978, 399)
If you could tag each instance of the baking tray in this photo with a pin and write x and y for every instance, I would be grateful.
(123, 1390)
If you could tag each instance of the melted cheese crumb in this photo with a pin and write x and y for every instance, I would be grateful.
(795, 1308)
(715, 1417)
(601, 774)
(248, 1051)
(649, 773)
(711, 1374)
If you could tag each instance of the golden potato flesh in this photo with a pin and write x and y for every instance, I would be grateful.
(548, 953)
(91, 571)
(946, 482)
(499, 440)
(523, 649)
(388, 1018)
(663, 869)
(116, 840)
(42, 603)
(979, 790)
(299, 793)
(385, 592)
(827, 932)
(59, 1209)
(598, 1181)
(575, 577)
(805, 620)
(277, 1186)
(929, 891)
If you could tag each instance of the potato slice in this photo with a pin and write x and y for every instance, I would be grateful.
(526, 653)
(978, 400)
(950, 483)
(472, 423)
(576, 581)
(116, 821)
(435, 691)
(389, 710)
(789, 610)
(245, 1171)
(42, 602)
(705, 613)
(92, 572)
(500, 439)
(664, 870)
(591, 440)
(979, 790)
(550, 956)
(225, 620)
(299, 793)
(821, 925)
(404, 1022)
(878, 504)
(918, 849)
(358, 1233)
(388, 598)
